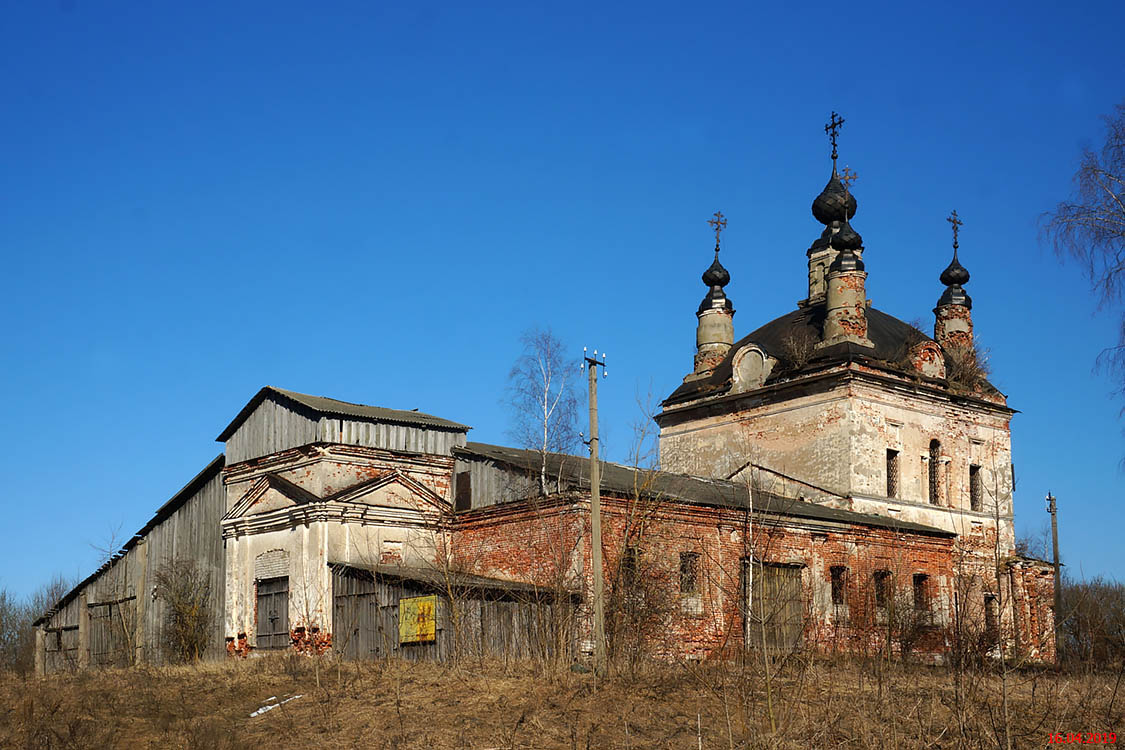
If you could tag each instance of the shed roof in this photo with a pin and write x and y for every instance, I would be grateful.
(162, 513)
(625, 480)
(439, 579)
(324, 406)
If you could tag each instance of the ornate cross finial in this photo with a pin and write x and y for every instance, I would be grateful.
(832, 130)
(719, 223)
(953, 220)
(848, 177)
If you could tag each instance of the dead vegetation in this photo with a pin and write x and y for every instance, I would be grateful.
(393, 704)
(797, 348)
(968, 367)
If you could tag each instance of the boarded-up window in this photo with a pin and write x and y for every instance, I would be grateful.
(883, 592)
(777, 611)
(689, 573)
(273, 613)
(892, 473)
(921, 592)
(839, 585)
(991, 618)
(975, 489)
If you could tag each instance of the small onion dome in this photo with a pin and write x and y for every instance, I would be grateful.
(846, 260)
(953, 277)
(847, 238)
(834, 202)
(716, 275)
(955, 273)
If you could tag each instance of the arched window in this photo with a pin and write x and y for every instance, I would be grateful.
(935, 460)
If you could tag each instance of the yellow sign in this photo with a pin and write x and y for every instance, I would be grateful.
(417, 619)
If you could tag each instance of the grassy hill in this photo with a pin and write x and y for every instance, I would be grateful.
(816, 704)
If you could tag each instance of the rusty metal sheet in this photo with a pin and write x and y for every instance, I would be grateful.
(417, 619)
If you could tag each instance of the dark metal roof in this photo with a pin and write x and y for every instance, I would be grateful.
(322, 405)
(892, 339)
(437, 579)
(625, 480)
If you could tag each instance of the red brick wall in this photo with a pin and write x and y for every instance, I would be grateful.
(546, 544)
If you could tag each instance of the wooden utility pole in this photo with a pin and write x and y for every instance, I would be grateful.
(592, 364)
(1053, 510)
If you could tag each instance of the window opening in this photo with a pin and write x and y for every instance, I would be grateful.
(882, 588)
(892, 473)
(839, 585)
(935, 459)
(975, 489)
(991, 618)
(921, 592)
(463, 496)
(689, 573)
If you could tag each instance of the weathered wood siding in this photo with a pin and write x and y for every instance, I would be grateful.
(191, 532)
(388, 435)
(491, 483)
(489, 623)
(124, 622)
(270, 428)
(61, 640)
(274, 427)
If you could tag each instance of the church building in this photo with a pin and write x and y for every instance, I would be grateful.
(836, 479)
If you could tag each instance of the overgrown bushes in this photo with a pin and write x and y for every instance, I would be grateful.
(185, 589)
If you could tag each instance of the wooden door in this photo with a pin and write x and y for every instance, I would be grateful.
(777, 608)
(273, 613)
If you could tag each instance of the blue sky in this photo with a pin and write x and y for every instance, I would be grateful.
(372, 201)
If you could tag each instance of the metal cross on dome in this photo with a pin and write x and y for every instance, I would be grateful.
(832, 130)
(848, 177)
(719, 223)
(956, 222)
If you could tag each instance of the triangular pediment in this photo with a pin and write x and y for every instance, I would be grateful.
(391, 490)
(269, 493)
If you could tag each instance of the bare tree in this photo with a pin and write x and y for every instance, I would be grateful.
(541, 396)
(1091, 226)
(17, 634)
(185, 588)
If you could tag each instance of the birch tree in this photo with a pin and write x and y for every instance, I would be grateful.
(541, 396)
(1090, 226)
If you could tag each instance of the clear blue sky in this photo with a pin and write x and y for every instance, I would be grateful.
(371, 202)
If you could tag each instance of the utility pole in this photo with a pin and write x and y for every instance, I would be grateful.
(1053, 510)
(591, 364)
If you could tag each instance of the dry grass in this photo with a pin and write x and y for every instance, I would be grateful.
(403, 705)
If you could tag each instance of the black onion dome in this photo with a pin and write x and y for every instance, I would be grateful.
(847, 238)
(954, 273)
(834, 202)
(846, 260)
(716, 275)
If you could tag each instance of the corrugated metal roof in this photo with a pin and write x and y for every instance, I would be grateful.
(624, 480)
(438, 579)
(322, 405)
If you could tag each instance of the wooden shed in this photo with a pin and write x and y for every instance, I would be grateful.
(430, 614)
